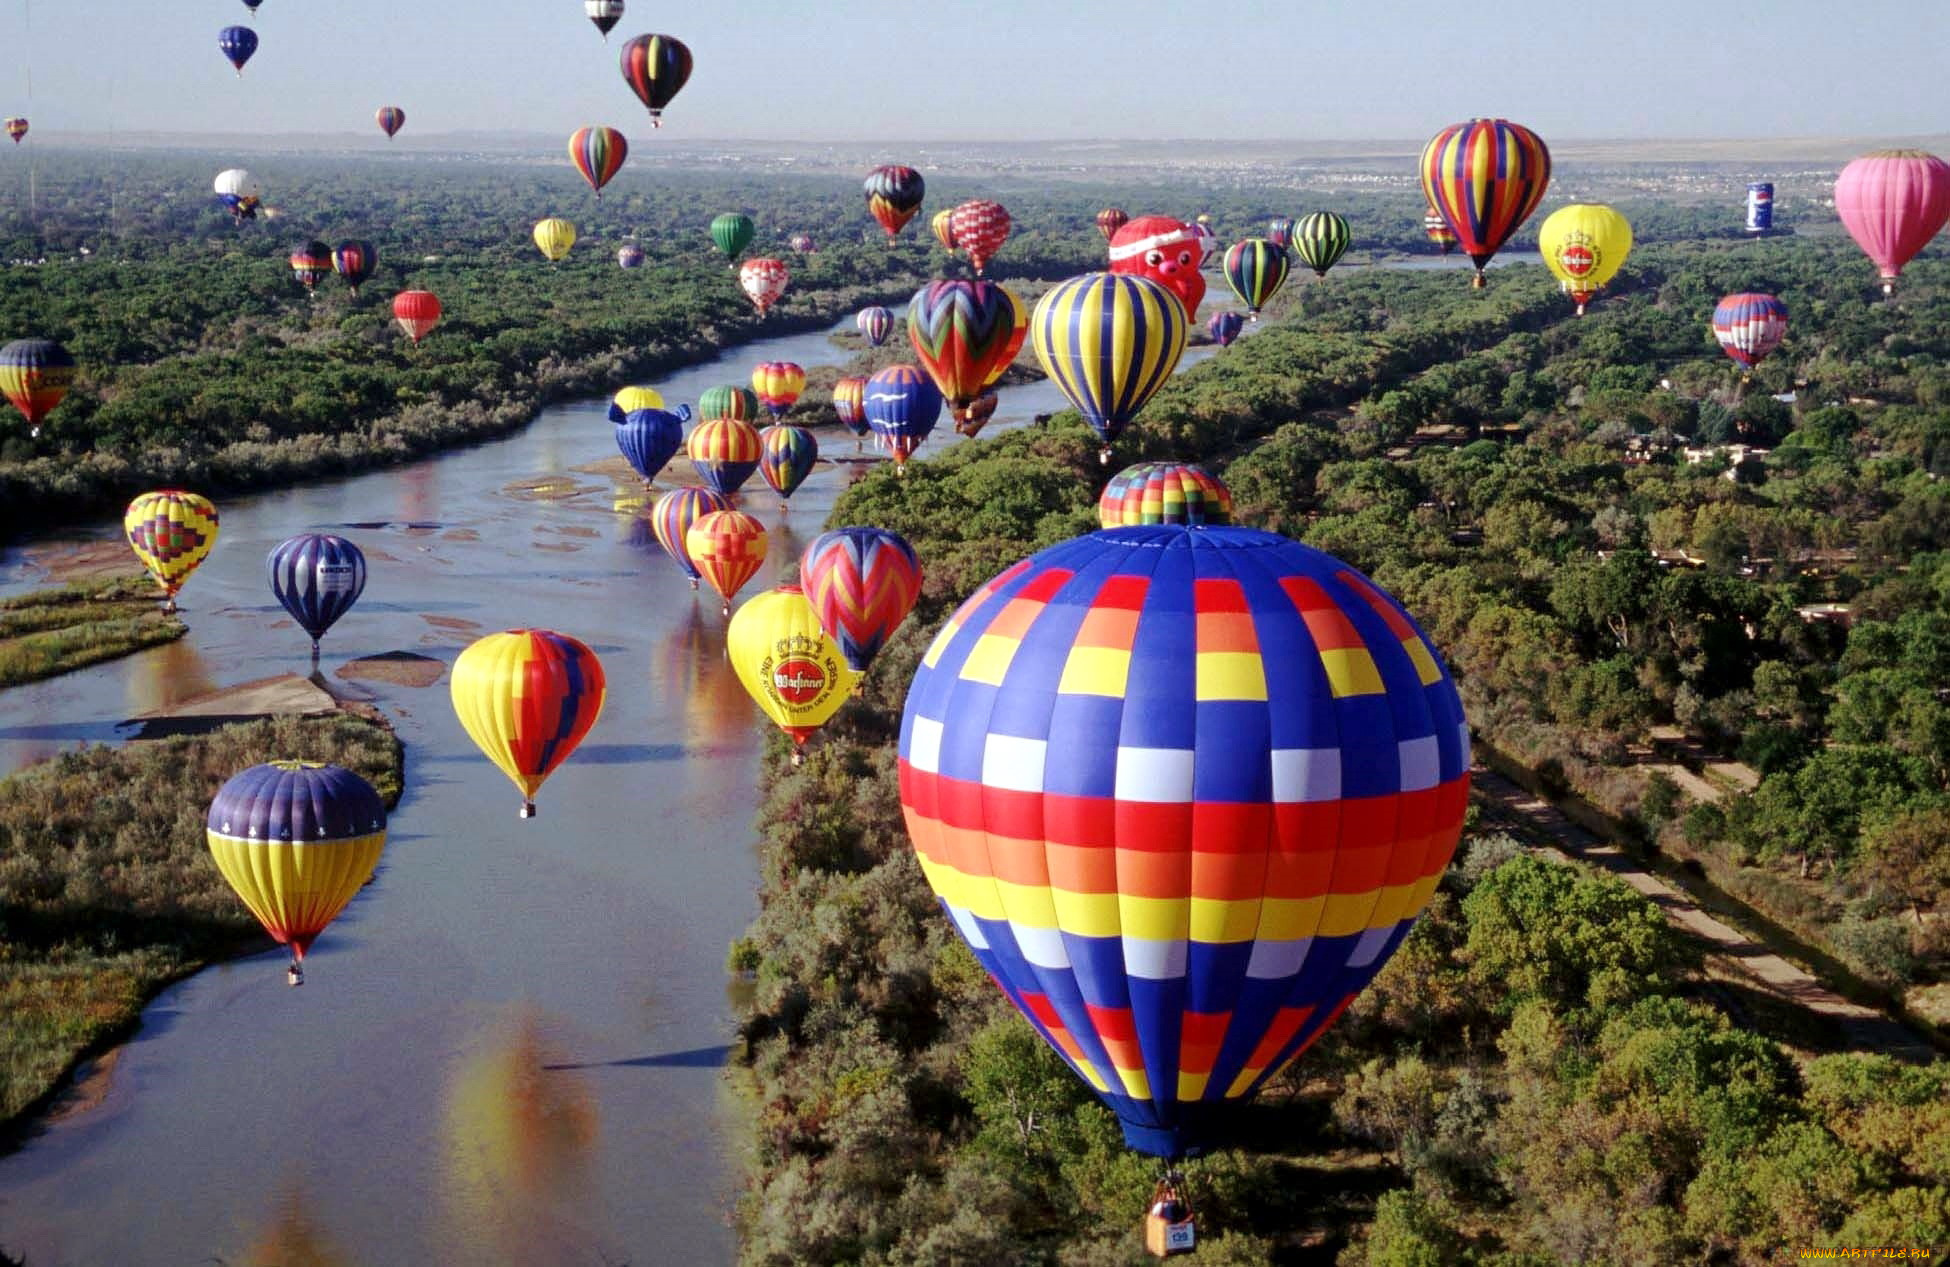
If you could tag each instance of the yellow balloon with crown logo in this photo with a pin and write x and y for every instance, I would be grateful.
(1584, 245)
(788, 664)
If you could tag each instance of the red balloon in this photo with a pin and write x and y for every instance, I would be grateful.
(417, 311)
(1165, 250)
(980, 228)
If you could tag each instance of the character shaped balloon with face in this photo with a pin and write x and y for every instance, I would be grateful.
(1165, 250)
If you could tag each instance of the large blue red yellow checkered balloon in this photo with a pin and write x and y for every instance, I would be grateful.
(1182, 791)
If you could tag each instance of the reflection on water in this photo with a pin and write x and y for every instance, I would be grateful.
(168, 675)
(521, 1125)
(293, 1237)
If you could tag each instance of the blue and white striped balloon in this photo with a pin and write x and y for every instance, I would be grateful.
(317, 577)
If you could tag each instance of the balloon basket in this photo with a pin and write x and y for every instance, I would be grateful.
(527, 809)
(1478, 282)
(1170, 1227)
(726, 610)
(798, 757)
(693, 583)
(294, 976)
(1103, 456)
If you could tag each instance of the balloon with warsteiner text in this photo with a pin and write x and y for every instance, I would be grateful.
(316, 577)
(656, 67)
(417, 311)
(980, 227)
(902, 405)
(965, 334)
(1584, 245)
(1892, 202)
(728, 547)
(527, 697)
(354, 261)
(862, 583)
(1484, 178)
(763, 280)
(1164, 493)
(296, 840)
(648, 438)
(171, 532)
(1108, 341)
(35, 375)
(778, 385)
(1182, 791)
(671, 519)
(894, 194)
(786, 457)
(724, 452)
(875, 324)
(788, 665)
(598, 154)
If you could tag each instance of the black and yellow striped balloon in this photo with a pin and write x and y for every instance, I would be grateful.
(1320, 240)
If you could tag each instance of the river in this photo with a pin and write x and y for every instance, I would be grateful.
(508, 1048)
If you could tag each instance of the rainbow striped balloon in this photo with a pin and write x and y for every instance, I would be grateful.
(1164, 493)
(725, 452)
(786, 458)
(850, 404)
(1182, 792)
(965, 335)
(1109, 341)
(527, 697)
(671, 519)
(861, 583)
(1484, 178)
(599, 154)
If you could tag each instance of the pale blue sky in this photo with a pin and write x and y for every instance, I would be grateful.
(999, 69)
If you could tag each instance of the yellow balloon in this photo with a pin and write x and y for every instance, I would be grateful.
(555, 236)
(788, 663)
(1584, 245)
(170, 531)
(527, 697)
(631, 399)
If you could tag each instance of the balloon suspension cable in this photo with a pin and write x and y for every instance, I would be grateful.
(528, 809)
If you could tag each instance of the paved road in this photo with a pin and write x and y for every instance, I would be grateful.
(1861, 1027)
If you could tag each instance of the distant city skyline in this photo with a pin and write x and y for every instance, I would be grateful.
(1006, 70)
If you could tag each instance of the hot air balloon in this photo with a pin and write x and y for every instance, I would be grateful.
(1165, 251)
(671, 519)
(965, 335)
(1255, 269)
(598, 153)
(789, 666)
(1484, 178)
(649, 438)
(655, 67)
(238, 191)
(171, 531)
(1224, 327)
(1182, 791)
(1320, 239)
(902, 405)
(777, 385)
(316, 577)
(786, 457)
(630, 399)
(1749, 326)
(942, 225)
(733, 232)
(17, 129)
(237, 43)
(1893, 202)
(417, 311)
(554, 236)
(763, 280)
(1208, 242)
(1110, 220)
(725, 452)
(297, 840)
(801, 242)
(1164, 493)
(311, 264)
(1279, 231)
(861, 583)
(604, 13)
(728, 402)
(980, 228)
(1109, 341)
(1437, 230)
(875, 323)
(390, 120)
(1584, 245)
(354, 261)
(629, 256)
(894, 194)
(527, 697)
(850, 406)
(252, 4)
(35, 375)
(728, 547)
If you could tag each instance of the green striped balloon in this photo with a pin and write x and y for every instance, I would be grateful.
(1255, 269)
(733, 232)
(727, 402)
(1320, 240)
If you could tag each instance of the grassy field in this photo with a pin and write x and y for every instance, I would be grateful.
(108, 892)
(52, 631)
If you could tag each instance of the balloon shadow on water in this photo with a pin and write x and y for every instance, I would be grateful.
(695, 1058)
(85, 731)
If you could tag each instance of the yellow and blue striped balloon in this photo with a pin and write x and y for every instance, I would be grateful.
(1109, 341)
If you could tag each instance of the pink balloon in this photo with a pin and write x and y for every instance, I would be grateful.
(1892, 203)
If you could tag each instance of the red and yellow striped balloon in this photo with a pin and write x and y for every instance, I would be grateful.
(728, 547)
(1484, 178)
(527, 697)
(861, 583)
(725, 452)
(778, 385)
